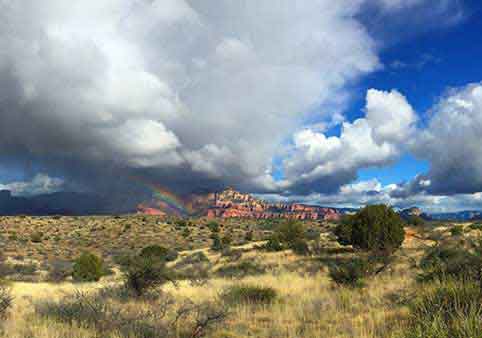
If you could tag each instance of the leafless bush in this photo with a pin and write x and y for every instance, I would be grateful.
(161, 318)
(200, 317)
(59, 271)
(5, 301)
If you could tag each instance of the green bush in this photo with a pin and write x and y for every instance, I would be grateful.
(250, 294)
(450, 310)
(290, 232)
(87, 268)
(216, 245)
(300, 247)
(273, 244)
(248, 236)
(142, 274)
(457, 230)
(288, 235)
(375, 227)
(24, 269)
(476, 226)
(241, 269)
(36, 237)
(350, 273)
(180, 223)
(186, 232)
(213, 226)
(312, 234)
(442, 262)
(159, 252)
(226, 241)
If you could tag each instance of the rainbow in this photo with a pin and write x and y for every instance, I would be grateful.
(169, 199)
(164, 197)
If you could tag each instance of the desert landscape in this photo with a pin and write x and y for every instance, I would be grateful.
(225, 279)
(240, 169)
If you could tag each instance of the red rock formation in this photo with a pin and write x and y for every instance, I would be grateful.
(233, 204)
(150, 211)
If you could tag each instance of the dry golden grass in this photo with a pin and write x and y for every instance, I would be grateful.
(306, 307)
(308, 303)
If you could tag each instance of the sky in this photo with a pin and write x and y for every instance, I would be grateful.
(337, 103)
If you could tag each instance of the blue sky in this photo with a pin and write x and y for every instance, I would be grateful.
(329, 102)
(423, 67)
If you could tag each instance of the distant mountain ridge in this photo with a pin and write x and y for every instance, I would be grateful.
(465, 215)
(59, 203)
(226, 204)
(414, 212)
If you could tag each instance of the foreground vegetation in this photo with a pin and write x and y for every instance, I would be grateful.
(266, 280)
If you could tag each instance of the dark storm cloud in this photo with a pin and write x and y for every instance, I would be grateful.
(190, 95)
(183, 92)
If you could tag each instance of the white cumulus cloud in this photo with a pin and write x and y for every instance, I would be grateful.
(40, 184)
(377, 139)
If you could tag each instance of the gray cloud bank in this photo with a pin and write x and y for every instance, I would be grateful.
(198, 95)
(202, 90)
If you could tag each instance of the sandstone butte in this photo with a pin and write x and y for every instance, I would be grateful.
(233, 204)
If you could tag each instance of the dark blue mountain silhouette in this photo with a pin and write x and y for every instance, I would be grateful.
(59, 203)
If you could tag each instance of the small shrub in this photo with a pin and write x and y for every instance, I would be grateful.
(300, 247)
(217, 244)
(350, 273)
(226, 240)
(198, 257)
(87, 268)
(290, 232)
(121, 259)
(251, 294)
(36, 237)
(232, 254)
(5, 269)
(159, 252)
(442, 262)
(213, 226)
(181, 223)
(242, 269)
(375, 227)
(144, 273)
(74, 308)
(476, 226)
(248, 236)
(312, 234)
(186, 232)
(59, 271)
(273, 244)
(457, 230)
(24, 269)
